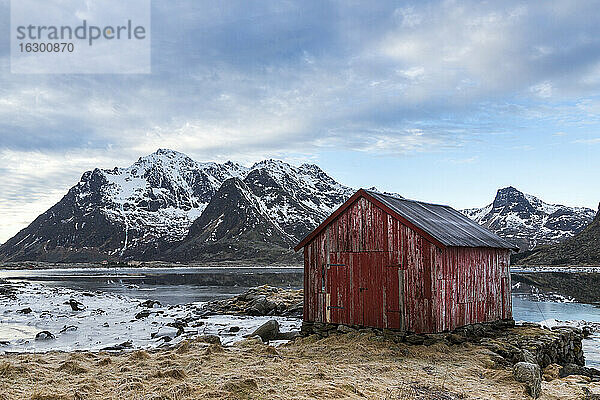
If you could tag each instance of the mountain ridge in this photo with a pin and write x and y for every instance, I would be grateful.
(527, 221)
(139, 211)
(168, 207)
(581, 249)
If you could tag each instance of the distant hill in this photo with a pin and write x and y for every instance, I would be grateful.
(529, 222)
(581, 249)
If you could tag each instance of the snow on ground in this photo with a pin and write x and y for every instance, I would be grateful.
(108, 319)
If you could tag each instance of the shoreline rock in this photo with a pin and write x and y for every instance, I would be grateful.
(260, 301)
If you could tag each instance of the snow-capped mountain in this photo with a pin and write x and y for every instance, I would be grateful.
(161, 194)
(264, 215)
(146, 210)
(527, 221)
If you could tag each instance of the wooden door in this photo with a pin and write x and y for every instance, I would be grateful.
(394, 297)
(365, 289)
(337, 288)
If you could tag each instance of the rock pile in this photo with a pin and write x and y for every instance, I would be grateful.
(260, 301)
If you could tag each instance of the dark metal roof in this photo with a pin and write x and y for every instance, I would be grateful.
(445, 224)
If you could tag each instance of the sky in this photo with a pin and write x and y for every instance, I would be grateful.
(438, 101)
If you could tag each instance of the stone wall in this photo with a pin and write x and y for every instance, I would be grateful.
(513, 343)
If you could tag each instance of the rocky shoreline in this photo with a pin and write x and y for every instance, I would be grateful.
(534, 355)
(260, 301)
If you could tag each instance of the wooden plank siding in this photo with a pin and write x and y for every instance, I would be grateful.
(473, 285)
(367, 268)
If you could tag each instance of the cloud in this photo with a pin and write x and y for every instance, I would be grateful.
(543, 90)
(588, 141)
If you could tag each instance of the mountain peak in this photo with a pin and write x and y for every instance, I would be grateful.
(165, 156)
(166, 153)
(509, 191)
(271, 162)
(147, 210)
(513, 199)
(527, 221)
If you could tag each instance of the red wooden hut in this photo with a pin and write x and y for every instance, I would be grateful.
(387, 262)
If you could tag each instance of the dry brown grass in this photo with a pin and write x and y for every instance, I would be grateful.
(352, 366)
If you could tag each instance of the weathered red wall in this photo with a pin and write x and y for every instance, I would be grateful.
(473, 285)
(380, 273)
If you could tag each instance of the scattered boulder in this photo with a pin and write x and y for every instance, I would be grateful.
(70, 328)
(75, 305)
(150, 304)
(179, 325)
(44, 335)
(24, 311)
(530, 375)
(165, 332)
(552, 372)
(142, 314)
(288, 335)
(118, 347)
(267, 331)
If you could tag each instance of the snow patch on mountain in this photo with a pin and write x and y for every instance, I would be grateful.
(160, 195)
(527, 221)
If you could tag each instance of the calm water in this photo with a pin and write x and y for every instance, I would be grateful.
(167, 285)
(186, 285)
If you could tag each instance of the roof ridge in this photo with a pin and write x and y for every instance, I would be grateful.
(405, 199)
(441, 224)
(458, 225)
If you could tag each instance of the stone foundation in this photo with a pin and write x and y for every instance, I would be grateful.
(513, 343)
